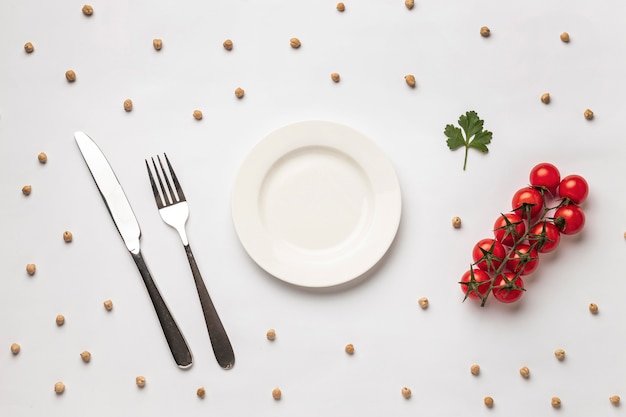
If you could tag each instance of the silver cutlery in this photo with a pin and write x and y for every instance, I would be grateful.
(128, 227)
(174, 211)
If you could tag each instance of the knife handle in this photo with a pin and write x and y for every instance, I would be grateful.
(175, 339)
(222, 348)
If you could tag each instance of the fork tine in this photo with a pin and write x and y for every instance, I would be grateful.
(166, 199)
(179, 190)
(155, 191)
(173, 197)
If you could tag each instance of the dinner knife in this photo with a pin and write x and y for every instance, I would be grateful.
(128, 227)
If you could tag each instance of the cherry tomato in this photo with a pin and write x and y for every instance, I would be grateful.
(508, 228)
(507, 288)
(569, 218)
(475, 284)
(574, 188)
(523, 259)
(525, 200)
(488, 254)
(545, 236)
(545, 175)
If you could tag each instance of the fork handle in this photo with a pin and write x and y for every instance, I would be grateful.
(219, 339)
(173, 335)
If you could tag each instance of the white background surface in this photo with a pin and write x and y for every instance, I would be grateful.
(373, 44)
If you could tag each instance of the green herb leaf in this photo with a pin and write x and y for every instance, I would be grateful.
(472, 134)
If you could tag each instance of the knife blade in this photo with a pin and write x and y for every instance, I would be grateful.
(124, 218)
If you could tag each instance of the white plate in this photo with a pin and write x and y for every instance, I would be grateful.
(316, 204)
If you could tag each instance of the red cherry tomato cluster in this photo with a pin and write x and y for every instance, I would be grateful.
(540, 214)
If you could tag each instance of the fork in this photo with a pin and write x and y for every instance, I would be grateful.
(174, 211)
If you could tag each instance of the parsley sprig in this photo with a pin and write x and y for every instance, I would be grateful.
(472, 134)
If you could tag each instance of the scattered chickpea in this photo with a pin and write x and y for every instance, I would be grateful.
(271, 334)
(524, 372)
(228, 45)
(564, 37)
(614, 399)
(70, 76)
(67, 236)
(85, 356)
(26, 189)
(29, 48)
(87, 10)
(588, 114)
(409, 4)
(560, 354)
(42, 157)
(197, 114)
(556, 402)
(15, 348)
(488, 401)
(239, 92)
(128, 105)
(60, 320)
(335, 77)
(277, 394)
(157, 43)
(406, 392)
(545, 98)
(140, 381)
(456, 222)
(108, 305)
(31, 269)
(349, 349)
(295, 43)
(341, 7)
(410, 80)
(201, 392)
(485, 32)
(59, 387)
(593, 308)
(475, 369)
(423, 303)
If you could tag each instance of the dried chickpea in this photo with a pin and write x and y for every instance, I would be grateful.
(271, 334)
(31, 269)
(485, 32)
(335, 77)
(556, 402)
(128, 105)
(157, 44)
(29, 48)
(197, 114)
(488, 401)
(406, 392)
(42, 157)
(67, 236)
(423, 303)
(588, 114)
(524, 372)
(295, 43)
(593, 308)
(239, 92)
(201, 392)
(70, 76)
(560, 354)
(60, 320)
(564, 37)
(341, 7)
(614, 399)
(228, 45)
(140, 381)
(456, 222)
(475, 369)
(409, 4)
(410, 80)
(545, 98)
(277, 394)
(15, 348)
(349, 349)
(87, 10)
(108, 305)
(26, 189)
(59, 387)
(85, 356)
